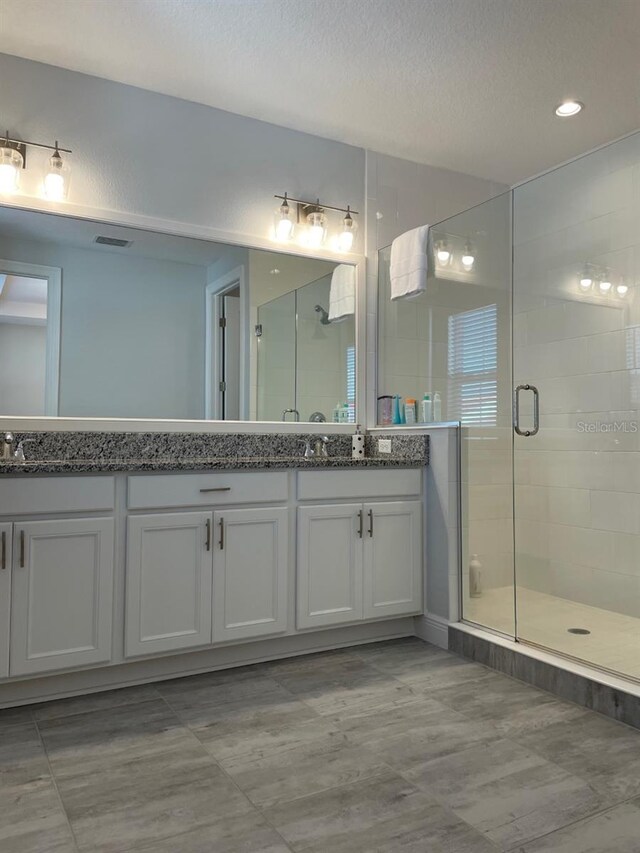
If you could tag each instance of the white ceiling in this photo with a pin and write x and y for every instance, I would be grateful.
(465, 84)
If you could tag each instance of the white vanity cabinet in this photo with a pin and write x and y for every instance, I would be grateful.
(358, 561)
(6, 534)
(61, 594)
(168, 588)
(250, 573)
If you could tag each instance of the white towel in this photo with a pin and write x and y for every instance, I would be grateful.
(409, 263)
(342, 296)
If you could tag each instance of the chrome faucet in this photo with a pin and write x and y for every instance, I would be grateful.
(308, 452)
(321, 446)
(7, 445)
(19, 453)
(291, 412)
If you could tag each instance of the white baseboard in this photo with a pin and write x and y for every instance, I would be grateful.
(433, 629)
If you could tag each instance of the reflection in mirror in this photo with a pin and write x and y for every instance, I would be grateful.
(103, 321)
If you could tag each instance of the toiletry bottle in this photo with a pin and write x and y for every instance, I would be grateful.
(437, 408)
(475, 577)
(357, 444)
(401, 410)
(384, 410)
(425, 409)
(336, 413)
(410, 410)
(395, 410)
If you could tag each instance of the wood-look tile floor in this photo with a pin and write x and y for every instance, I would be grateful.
(392, 747)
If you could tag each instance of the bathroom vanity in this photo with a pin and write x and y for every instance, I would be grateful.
(121, 570)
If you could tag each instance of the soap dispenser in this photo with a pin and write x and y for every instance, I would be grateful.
(357, 444)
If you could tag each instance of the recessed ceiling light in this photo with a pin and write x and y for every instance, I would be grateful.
(569, 108)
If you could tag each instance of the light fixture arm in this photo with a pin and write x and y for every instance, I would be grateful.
(316, 203)
(8, 139)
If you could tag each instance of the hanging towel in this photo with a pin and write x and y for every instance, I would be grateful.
(342, 296)
(409, 263)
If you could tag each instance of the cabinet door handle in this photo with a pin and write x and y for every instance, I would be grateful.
(371, 524)
(216, 489)
(22, 549)
(361, 523)
(208, 540)
(3, 550)
(222, 534)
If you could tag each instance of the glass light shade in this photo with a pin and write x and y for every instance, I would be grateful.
(622, 289)
(316, 230)
(10, 165)
(56, 178)
(586, 281)
(468, 258)
(443, 254)
(605, 285)
(284, 223)
(347, 235)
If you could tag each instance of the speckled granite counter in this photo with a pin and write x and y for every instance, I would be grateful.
(97, 452)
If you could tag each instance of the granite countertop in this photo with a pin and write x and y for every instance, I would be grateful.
(97, 452)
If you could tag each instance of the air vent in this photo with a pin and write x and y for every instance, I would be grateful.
(112, 241)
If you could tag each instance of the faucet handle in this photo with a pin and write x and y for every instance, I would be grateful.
(309, 452)
(19, 452)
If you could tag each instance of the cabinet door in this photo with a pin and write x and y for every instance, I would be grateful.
(250, 569)
(62, 594)
(169, 567)
(329, 565)
(392, 559)
(5, 596)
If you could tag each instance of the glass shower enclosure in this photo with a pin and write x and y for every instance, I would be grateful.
(536, 344)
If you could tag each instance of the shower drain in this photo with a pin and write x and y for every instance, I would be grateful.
(578, 631)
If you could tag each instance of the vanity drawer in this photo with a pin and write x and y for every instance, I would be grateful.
(374, 483)
(212, 489)
(35, 495)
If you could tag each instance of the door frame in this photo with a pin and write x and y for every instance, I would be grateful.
(214, 295)
(53, 277)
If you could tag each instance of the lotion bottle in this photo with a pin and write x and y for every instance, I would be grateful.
(425, 409)
(437, 408)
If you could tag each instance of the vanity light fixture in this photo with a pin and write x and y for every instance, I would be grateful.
(569, 108)
(443, 253)
(56, 178)
(345, 238)
(622, 289)
(284, 221)
(586, 280)
(13, 159)
(311, 223)
(605, 284)
(468, 258)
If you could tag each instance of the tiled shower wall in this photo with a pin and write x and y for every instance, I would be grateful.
(578, 481)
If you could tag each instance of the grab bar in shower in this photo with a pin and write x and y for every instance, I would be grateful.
(536, 410)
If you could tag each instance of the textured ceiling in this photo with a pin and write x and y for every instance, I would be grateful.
(465, 84)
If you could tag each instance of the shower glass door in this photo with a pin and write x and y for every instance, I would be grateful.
(576, 339)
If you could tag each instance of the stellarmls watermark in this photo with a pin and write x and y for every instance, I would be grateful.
(607, 426)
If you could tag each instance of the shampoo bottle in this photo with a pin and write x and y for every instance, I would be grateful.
(475, 577)
(395, 411)
(425, 409)
(410, 410)
(437, 408)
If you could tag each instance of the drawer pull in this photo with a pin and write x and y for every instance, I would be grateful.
(371, 523)
(3, 550)
(216, 489)
(22, 549)
(222, 534)
(208, 540)
(360, 524)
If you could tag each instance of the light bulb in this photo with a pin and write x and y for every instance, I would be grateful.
(56, 179)
(622, 289)
(443, 254)
(585, 282)
(284, 222)
(11, 162)
(316, 220)
(345, 238)
(605, 285)
(468, 258)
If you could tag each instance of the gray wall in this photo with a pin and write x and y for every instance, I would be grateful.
(132, 341)
(22, 368)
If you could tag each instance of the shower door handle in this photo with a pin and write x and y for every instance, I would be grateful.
(536, 410)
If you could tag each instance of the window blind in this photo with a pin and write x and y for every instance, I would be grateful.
(472, 366)
(351, 383)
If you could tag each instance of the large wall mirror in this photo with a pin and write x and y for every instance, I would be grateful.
(105, 321)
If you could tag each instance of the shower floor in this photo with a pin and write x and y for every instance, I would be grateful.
(613, 642)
